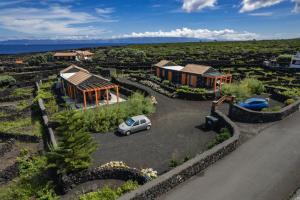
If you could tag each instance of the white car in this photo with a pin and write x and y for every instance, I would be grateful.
(134, 124)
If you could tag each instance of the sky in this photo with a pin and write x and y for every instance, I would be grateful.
(102, 19)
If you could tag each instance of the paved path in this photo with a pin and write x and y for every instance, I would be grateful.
(264, 168)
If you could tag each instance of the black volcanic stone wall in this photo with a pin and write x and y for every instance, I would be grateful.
(9, 173)
(7, 147)
(67, 182)
(240, 114)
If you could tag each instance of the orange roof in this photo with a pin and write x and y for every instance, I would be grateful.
(85, 53)
(73, 66)
(164, 63)
(65, 54)
(79, 77)
(196, 69)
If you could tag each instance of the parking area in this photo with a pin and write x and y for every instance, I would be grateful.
(175, 134)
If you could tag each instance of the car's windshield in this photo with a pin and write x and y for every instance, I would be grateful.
(129, 121)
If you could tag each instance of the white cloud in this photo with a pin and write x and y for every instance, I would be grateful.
(197, 5)
(251, 5)
(297, 6)
(262, 14)
(50, 22)
(102, 11)
(225, 34)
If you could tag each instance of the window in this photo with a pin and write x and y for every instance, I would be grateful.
(129, 122)
(143, 121)
(136, 123)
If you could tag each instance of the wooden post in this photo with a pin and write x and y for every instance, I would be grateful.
(215, 84)
(117, 93)
(90, 96)
(96, 94)
(107, 98)
(84, 99)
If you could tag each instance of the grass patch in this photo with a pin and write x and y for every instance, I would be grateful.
(22, 126)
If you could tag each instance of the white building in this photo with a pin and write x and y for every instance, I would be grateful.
(295, 62)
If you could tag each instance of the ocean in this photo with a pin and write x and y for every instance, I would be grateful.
(34, 48)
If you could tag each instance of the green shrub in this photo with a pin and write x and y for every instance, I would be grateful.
(255, 86)
(6, 80)
(166, 82)
(173, 163)
(291, 93)
(187, 89)
(106, 118)
(289, 101)
(221, 137)
(109, 194)
(245, 89)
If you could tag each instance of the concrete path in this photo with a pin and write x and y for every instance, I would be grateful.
(267, 167)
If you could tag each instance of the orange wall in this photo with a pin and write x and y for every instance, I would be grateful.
(183, 79)
(194, 80)
(157, 71)
(169, 75)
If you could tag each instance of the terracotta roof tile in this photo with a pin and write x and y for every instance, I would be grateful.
(164, 63)
(73, 68)
(65, 54)
(196, 69)
(79, 77)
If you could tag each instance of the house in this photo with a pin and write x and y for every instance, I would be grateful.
(284, 61)
(295, 62)
(192, 75)
(86, 88)
(74, 56)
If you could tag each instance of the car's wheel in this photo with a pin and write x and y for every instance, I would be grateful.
(127, 133)
(148, 127)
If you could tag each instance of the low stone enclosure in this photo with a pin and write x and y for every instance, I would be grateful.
(171, 179)
(240, 114)
(66, 183)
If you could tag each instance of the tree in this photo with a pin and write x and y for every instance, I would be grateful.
(75, 146)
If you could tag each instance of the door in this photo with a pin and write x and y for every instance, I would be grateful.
(136, 126)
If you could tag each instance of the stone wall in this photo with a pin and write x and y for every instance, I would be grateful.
(50, 137)
(240, 114)
(9, 173)
(67, 182)
(7, 146)
(20, 137)
(171, 179)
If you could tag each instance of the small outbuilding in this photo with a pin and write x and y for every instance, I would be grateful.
(73, 56)
(86, 88)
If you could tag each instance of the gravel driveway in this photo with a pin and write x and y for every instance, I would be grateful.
(175, 134)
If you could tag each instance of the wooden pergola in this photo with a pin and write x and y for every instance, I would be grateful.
(83, 86)
(212, 80)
